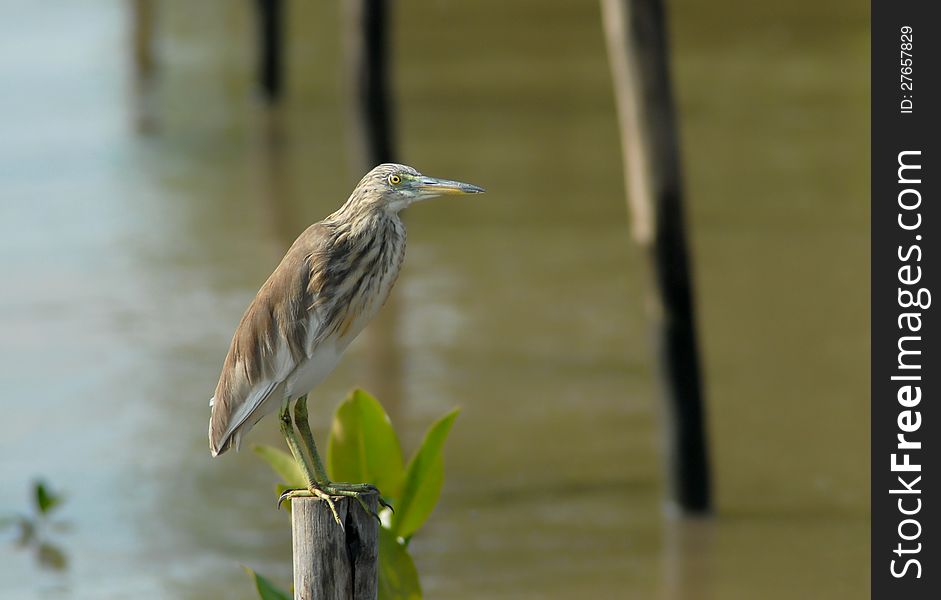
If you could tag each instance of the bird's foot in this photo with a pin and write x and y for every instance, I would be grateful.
(311, 492)
(330, 491)
(358, 490)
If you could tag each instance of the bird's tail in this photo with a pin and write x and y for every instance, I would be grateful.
(226, 427)
(218, 442)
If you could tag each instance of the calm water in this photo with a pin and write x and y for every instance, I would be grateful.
(136, 223)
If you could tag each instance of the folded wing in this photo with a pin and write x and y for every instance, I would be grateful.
(274, 336)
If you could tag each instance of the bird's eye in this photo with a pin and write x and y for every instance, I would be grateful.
(395, 179)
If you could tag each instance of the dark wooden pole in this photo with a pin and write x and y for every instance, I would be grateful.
(367, 63)
(333, 562)
(635, 31)
(270, 48)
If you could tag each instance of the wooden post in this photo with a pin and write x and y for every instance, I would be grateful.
(635, 32)
(333, 562)
(270, 48)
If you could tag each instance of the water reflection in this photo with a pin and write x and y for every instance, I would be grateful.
(688, 558)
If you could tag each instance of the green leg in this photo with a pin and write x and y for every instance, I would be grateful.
(287, 430)
(353, 490)
(303, 426)
(313, 489)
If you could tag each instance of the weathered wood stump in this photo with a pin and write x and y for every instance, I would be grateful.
(333, 562)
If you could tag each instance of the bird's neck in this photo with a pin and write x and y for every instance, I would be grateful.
(364, 256)
(352, 222)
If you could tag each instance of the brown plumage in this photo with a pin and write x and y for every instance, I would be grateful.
(328, 286)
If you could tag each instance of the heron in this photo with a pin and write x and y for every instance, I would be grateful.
(331, 283)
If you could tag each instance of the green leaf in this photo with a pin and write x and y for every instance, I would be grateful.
(266, 589)
(423, 480)
(363, 447)
(283, 464)
(51, 556)
(46, 499)
(398, 577)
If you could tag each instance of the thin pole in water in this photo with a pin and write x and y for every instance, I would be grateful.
(367, 63)
(270, 49)
(635, 32)
(143, 17)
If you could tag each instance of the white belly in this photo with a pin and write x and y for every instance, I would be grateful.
(307, 375)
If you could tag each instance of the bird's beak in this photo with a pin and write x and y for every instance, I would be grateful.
(437, 187)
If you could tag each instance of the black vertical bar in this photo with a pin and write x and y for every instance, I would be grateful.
(906, 225)
(270, 48)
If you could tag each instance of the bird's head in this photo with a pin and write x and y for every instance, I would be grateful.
(392, 187)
